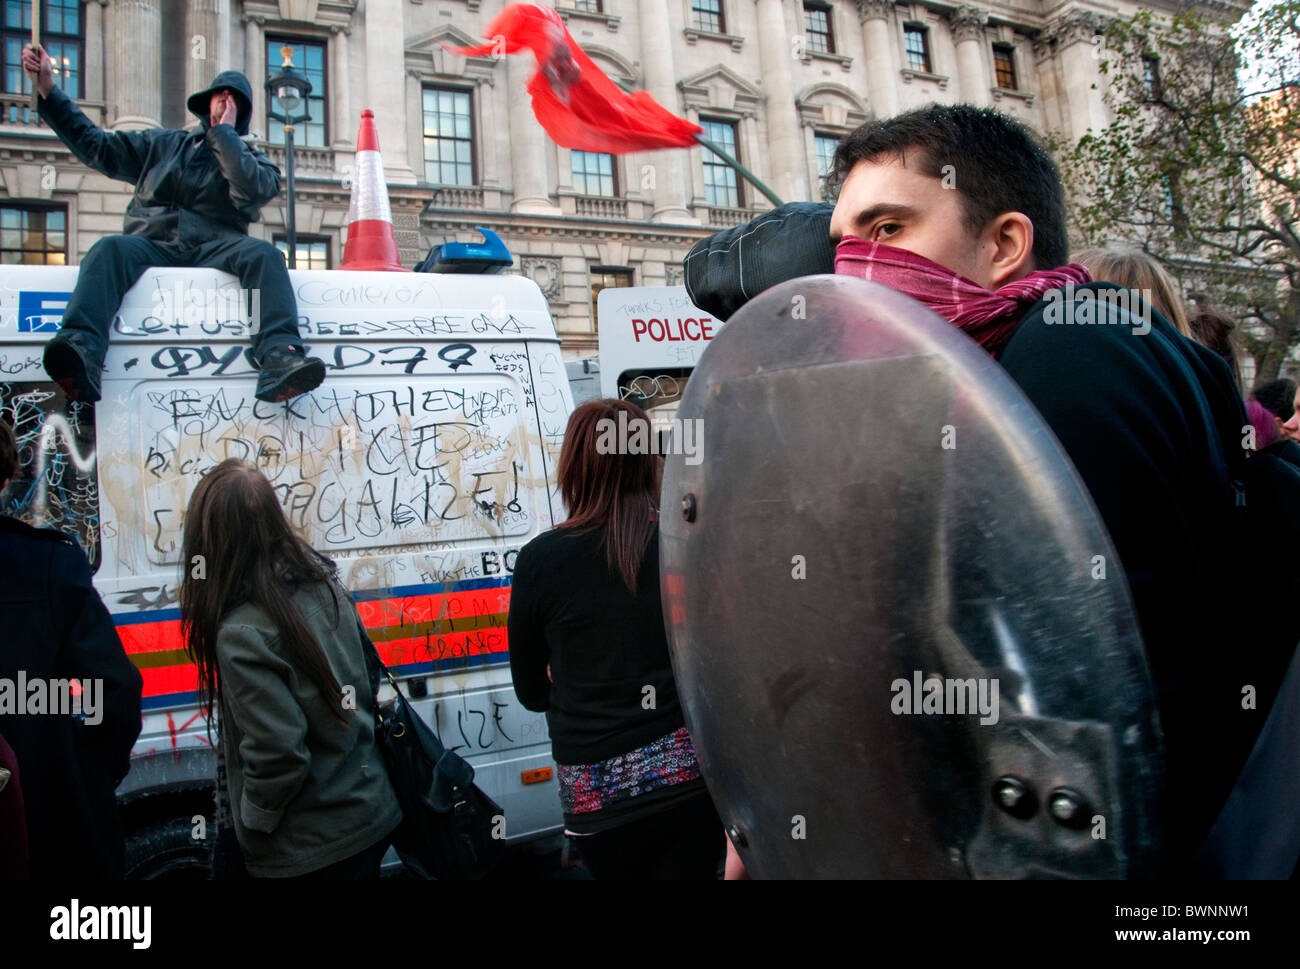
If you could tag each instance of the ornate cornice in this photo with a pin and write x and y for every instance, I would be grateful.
(1072, 27)
(874, 9)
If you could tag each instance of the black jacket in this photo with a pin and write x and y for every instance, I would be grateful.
(190, 186)
(54, 627)
(604, 646)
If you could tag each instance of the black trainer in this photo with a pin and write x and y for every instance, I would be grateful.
(66, 368)
(287, 372)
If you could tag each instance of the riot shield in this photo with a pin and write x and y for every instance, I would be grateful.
(902, 638)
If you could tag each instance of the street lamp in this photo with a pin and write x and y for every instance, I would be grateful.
(288, 92)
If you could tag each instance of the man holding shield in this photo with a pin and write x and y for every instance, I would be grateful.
(960, 209)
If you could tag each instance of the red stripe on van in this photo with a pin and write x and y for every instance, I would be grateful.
(429, 620)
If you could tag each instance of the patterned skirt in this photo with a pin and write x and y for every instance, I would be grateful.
(663, 763)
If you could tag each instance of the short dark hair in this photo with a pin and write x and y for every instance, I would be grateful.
(998, 164)
(8, 453)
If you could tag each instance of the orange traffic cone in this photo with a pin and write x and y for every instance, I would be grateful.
(371, 243)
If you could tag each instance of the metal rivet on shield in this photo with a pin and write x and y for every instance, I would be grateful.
(737, 836)
(1014, 796)
(1068, 808)
(688, 507)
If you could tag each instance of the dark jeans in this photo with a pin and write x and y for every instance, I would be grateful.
(363, 865)
(683, 842)
(115, 263)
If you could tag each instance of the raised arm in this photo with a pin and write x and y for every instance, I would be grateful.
(117, 154)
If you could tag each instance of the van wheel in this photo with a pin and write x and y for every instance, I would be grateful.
(167, 850)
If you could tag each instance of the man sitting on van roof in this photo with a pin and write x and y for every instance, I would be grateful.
(195, 195)
(959, 208)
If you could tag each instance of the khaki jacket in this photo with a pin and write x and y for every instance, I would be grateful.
(305, 790)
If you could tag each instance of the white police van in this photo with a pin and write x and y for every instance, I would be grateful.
(421, 466)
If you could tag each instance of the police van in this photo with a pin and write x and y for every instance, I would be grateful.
(421, 466)
(649, 340)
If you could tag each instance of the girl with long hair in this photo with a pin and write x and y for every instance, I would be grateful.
(587, 645)
(280, 655)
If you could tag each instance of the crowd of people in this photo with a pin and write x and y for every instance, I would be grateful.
(1203, 515)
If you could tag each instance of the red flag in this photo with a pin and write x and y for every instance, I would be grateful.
(575, 102)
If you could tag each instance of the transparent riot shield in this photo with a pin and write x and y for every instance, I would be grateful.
(902, 638)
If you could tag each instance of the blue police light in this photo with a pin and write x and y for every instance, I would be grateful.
(489, 256)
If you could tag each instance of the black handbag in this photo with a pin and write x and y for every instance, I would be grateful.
(450, 828)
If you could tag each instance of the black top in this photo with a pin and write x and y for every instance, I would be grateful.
(604, 647)
(1150, 422)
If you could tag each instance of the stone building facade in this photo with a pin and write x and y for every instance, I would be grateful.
(778, 81)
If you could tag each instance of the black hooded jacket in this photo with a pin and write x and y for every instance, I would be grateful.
(191, 187)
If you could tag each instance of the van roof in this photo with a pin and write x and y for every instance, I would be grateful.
(191, 304)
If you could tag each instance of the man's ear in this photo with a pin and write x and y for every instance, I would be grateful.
(1010, 239)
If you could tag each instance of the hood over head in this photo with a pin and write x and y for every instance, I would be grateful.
(236, 82)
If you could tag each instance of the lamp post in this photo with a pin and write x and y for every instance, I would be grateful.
(288, 92)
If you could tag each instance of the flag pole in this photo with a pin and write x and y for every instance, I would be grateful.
(744, 172)
(36, 46)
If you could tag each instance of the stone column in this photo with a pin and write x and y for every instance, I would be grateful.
(968, 31)
(255, 70)
(204, 20)
(92, 70)
(345, 125)
(386, 84)
(878, 38)
(785, 164)
(135, 81)
(669, 167)
(1070, 42)
(528, 144)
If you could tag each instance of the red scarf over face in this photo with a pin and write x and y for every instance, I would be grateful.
(987, 317)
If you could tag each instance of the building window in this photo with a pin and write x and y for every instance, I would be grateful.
(708, 15)
(721, 188)
(593, 173)
(1151, 77)
(605, 277)
(825, 146)
(313, 251)
(309, 60)
(587, 6)
(817, 24)
(448, 137)
(1004, 66)
(916, 42)
(32, 236)
(60, 36)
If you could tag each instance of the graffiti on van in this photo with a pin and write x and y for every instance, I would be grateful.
(355, 467)
(55, 486)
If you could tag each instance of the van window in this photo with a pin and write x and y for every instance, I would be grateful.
(55, 486)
